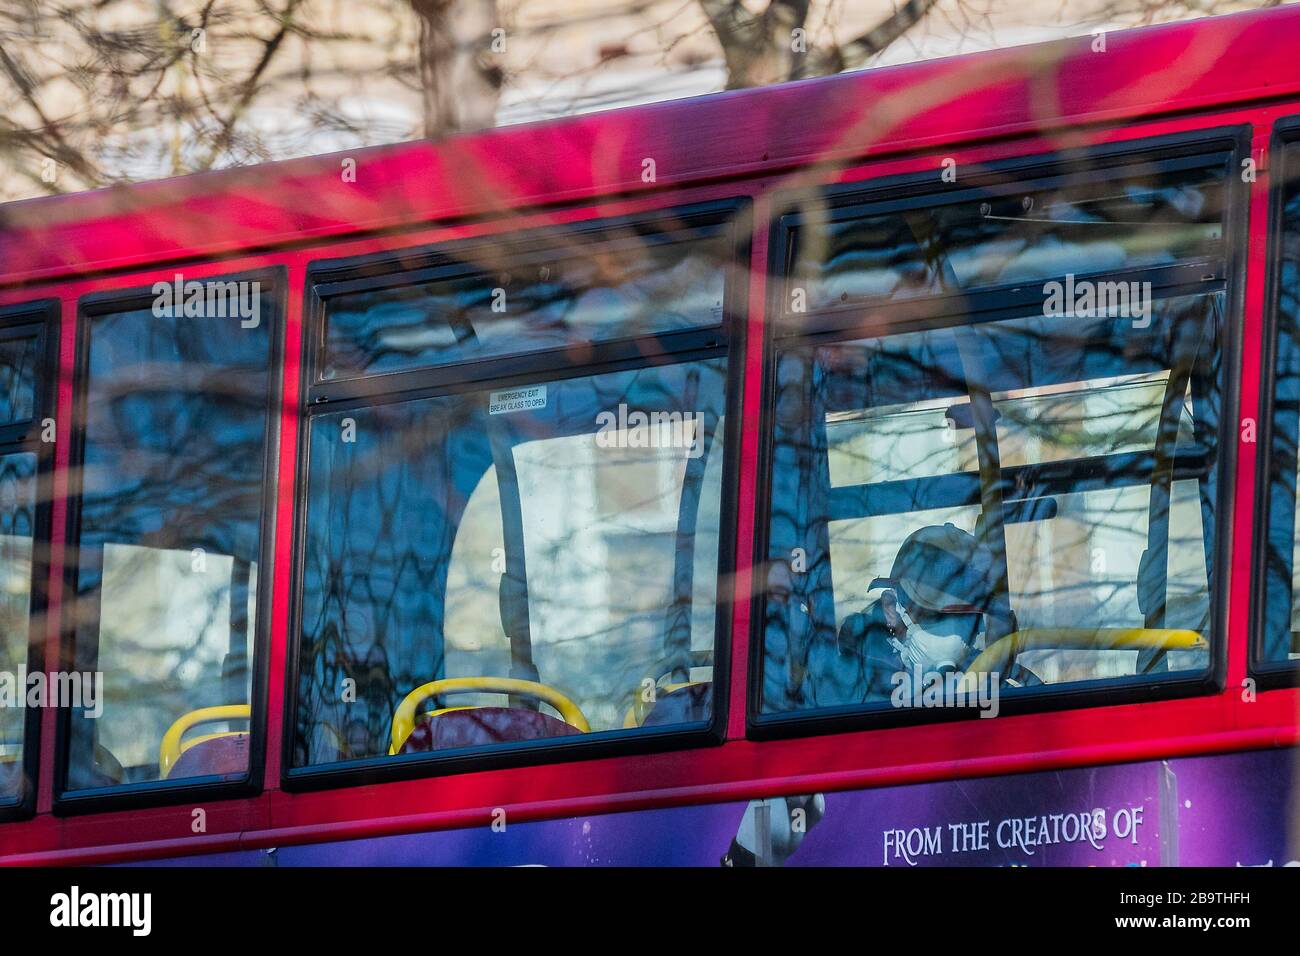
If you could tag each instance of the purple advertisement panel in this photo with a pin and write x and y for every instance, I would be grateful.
(1231, 810)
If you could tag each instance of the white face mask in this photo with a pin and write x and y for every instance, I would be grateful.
(930, 651)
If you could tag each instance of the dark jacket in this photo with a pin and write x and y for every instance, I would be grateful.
(864, 638)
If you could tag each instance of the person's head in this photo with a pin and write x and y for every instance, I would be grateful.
(941, 584)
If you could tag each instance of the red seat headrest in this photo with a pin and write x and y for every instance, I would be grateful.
(474, 727)
(222, 756)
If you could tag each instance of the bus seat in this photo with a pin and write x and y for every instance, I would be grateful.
(451, 727)
(225, 752)
(213, 755)
(478, 726)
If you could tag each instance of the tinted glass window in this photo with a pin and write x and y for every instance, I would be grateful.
(1015, 498)
(1085, 223)
(168, 550)
(564, 534)
(1105, 485)
(526, 547)
(17, 538)
(19, 359)
(611, 292)
(1281, 637)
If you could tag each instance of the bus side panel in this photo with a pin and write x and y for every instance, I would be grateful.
(1229, 810)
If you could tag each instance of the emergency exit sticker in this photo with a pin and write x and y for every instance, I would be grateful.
(517, 400)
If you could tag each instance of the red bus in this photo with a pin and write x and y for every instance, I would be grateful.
(681, 484)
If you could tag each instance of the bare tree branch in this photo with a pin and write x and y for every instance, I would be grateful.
(461, 84)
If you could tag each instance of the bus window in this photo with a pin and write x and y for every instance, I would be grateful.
(1010, 233)
(23, 383)
(1280, 640)
(1022, 492)
(168, 546)
(19, 360)
(639, 286)
(494, 563)
(17, 528)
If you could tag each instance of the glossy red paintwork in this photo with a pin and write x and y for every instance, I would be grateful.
(1207, 74)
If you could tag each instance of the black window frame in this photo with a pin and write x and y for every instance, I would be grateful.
(884, 318)
(187, 790)
(723, 339)
(41, 317)
(1270, 674)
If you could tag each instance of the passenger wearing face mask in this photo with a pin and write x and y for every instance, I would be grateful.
(932, 614)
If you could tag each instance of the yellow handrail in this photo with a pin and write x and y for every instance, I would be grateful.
(997, 656)
(404, 718)
(172, 748)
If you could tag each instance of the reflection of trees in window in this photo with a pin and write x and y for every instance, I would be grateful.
(404, 582)
(1011, 234)
(634, 288)
(1281, 639)
(875, 439)
(24, 544)
(169, 536)
(20, 358)
(17, 533)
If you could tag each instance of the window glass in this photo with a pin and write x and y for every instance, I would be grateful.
(1281, 637)
(19, 357)
(1045, 482)
(1085, 223)
(17, 534)
(563, 534)
(611, 291)
(169, 541)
